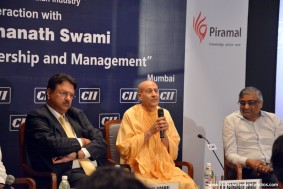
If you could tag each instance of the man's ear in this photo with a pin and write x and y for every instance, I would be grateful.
(261, 104)
(48, 93)
(140, 96)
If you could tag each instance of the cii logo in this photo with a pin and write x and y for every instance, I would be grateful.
(5, 95)
(104, 117)
(167, 95)
(39, 95)
(129, 95)
(89, 95)
(16, 121)
(200, 27)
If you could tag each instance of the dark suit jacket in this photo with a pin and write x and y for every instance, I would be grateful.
(45, 138)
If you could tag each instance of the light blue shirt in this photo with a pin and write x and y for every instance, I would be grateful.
(244, 139)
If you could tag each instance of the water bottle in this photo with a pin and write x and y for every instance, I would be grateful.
(208, 176)
(64, 183)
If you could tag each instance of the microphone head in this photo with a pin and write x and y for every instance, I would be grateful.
(200, 136)
(160, 112)
(10, 179)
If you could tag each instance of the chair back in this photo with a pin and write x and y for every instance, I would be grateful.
(23, 151)
(111, 131)
(26, 166)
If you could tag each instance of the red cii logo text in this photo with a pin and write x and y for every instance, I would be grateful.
(199, 27)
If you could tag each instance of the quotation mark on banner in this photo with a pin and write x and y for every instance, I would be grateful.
(199, 27)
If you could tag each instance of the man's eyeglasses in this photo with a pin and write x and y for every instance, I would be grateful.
(65, 94)
(249, 102)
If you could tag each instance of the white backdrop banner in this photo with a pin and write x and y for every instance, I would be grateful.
(216, 34)
(279, 68)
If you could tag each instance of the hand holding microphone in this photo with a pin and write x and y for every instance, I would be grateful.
(160, 113)
(159, 126)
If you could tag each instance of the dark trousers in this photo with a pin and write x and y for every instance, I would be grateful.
(268, 180)
(75, 178)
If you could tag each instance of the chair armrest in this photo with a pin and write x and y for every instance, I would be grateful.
(237, 167)
(29, 181)
(30, 172)
(53, 180)
(111, 162)
(187, 164)
(125, 166)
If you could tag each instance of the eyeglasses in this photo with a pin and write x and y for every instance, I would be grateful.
(249, 102)
(65, 94)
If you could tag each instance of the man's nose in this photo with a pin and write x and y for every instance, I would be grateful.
(247, 105)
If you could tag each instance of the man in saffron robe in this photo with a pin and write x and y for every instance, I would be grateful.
(140, 144)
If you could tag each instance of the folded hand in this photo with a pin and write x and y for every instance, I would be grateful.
(64, 159)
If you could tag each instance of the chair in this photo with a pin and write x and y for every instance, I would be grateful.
(25, 165)
(113, 156)
(232, 171)
(25, 181)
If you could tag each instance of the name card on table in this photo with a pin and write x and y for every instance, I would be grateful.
(240, 184)
(169, 185)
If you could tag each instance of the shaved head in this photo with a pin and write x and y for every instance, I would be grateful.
(143, 85)
(148, 95)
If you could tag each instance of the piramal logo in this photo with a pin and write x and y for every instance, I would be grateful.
(200, 27)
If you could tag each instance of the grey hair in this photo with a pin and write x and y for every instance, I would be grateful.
(248, 90)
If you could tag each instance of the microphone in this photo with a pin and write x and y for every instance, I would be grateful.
(160, 113)
(200, 136)
(10, 179)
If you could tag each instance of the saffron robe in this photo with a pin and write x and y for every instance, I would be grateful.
(152, 162)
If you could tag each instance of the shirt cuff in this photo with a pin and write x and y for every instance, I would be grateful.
(2, 179)
(242, 161)
(86, 153)
(80, 141)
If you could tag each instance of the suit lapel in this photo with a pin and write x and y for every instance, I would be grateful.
(55, 122)
(75, 125)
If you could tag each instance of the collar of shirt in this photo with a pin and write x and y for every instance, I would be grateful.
(56, 114)
(261, 113)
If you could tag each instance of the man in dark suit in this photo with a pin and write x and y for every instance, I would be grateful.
(59, 136)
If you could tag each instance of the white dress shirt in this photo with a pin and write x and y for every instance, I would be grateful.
(3, 174)
(244, 139)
